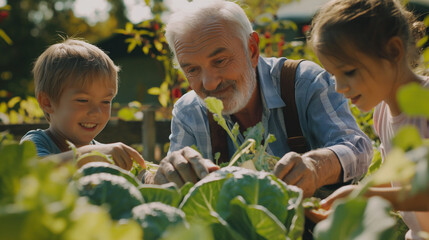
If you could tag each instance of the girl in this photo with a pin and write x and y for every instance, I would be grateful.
(368, 46)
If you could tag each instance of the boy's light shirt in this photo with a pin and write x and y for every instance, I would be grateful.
(325, 118)
(44, 144)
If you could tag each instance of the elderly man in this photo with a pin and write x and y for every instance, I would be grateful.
(218, 51)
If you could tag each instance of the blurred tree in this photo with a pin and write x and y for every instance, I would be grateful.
(33, 26)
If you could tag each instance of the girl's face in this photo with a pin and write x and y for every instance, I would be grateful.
(365, 80)
(82, 112)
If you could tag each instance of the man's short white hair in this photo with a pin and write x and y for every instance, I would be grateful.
(193, 14)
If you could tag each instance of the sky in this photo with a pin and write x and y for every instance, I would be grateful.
(98, 10)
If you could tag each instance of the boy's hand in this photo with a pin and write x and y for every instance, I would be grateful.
(122, 154)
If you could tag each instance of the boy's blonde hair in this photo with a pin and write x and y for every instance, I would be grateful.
(72, 63)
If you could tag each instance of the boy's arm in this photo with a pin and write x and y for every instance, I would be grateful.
(122, 154)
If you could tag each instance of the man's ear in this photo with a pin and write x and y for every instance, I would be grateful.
(254, 48)
(45, 102)
(395, 49)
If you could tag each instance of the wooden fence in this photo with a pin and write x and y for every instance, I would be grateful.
(153, 135)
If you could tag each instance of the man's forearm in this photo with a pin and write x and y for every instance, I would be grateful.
(327, 166)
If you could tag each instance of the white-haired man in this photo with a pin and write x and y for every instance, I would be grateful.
(218, 51)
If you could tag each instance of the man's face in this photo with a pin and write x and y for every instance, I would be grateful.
(216, 64)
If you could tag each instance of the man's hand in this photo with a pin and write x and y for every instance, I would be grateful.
(298, 170)
(185, 165)
(309, 171)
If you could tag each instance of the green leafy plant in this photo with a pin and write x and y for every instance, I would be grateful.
(18, 110)
(149, 36)
(251, 153)
(247, 203)
(4, 13)
(38, 202)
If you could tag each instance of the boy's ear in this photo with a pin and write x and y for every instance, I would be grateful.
(45, 102)
(254, 48)
(395, 49)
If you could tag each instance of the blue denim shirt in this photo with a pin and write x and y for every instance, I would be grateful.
(325, 118)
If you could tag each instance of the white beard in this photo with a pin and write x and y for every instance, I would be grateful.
(241, 97)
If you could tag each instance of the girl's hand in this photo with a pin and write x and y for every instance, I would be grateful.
(317, 215)
(341, 192)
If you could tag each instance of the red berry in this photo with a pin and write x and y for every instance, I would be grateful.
(3, 15)
(305, 28)
(176, 92)
(267, 34)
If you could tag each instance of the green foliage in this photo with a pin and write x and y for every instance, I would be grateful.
(99, 167)
(149, 36)
(245, 202)
(103, 188)
(197, 232)
(4, 13)
(18, 110)
(132, 112)
(365, 122)
(357, 218)
(251, 154)
(166, 193)
(375, 162)
(43, 23)
(425, 52)
(13, 167)
(413, 100)
(38, 202)
(155, 218)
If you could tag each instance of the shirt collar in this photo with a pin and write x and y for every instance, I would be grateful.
(269, 74)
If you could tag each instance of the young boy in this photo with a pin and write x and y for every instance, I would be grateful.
(75, 83)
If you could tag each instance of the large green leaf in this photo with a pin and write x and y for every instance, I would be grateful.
(397, 168)
(196, 231)
(357, 218)
(413, 99)
(408, 137)
(167, 193)
(214, 105)
(256, 188)
(420, 156)
(100, 167)
(155, 218)
(255, 221)
(201, 200)
(13, 166)
(13, 220)
(111, 190)
(211, 200)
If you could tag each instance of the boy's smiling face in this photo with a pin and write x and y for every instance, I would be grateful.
(82, 112)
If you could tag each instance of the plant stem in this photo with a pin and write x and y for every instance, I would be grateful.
(241, 150)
